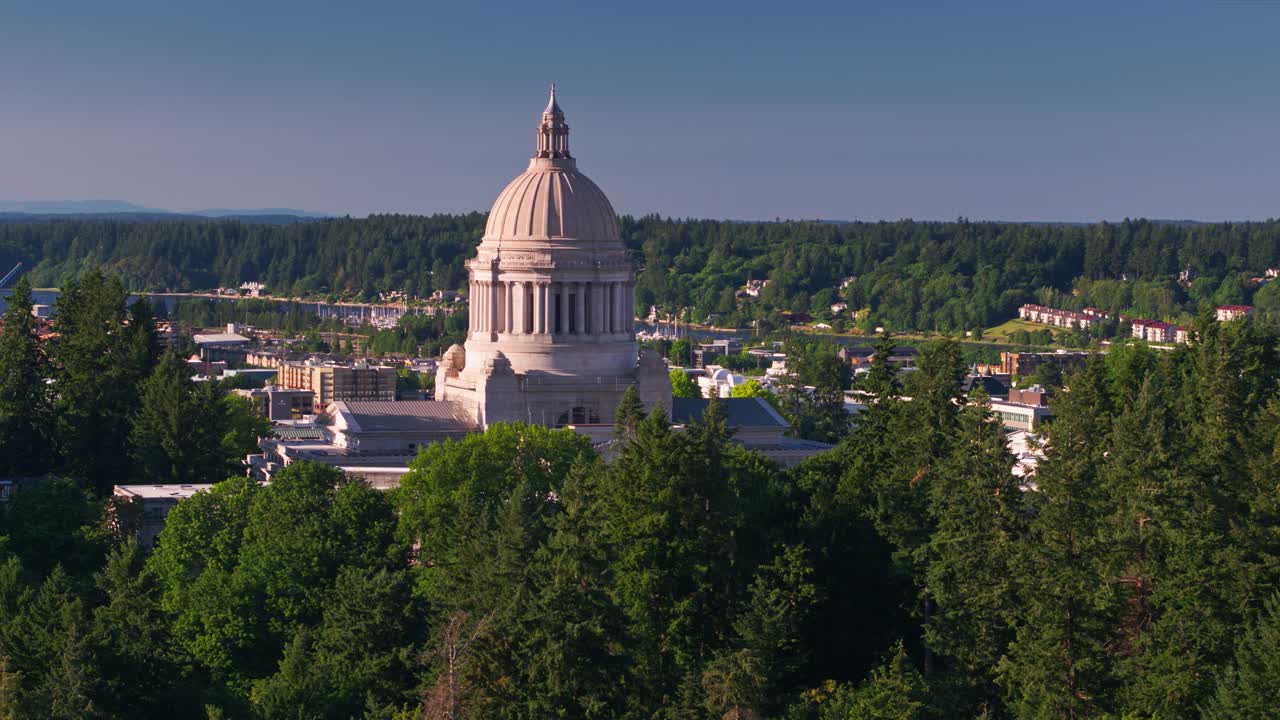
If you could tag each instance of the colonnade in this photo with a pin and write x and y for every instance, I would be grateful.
(536, 307)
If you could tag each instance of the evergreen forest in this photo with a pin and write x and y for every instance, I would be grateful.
(905, 574)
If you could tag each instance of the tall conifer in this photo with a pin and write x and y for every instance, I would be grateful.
(1058, 665)
(25, 403)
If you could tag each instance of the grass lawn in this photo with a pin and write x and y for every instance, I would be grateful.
(1001, 333)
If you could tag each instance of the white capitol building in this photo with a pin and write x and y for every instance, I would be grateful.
(550, 341)
(552, 292)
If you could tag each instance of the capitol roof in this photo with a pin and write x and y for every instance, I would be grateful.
(552, 199)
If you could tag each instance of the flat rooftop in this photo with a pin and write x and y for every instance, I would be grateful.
(160, 492)
(204, 339)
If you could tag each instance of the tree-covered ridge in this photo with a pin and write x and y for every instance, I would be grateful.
(905, 275)
(417, 254)
(948, 276)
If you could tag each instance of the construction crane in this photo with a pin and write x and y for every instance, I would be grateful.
(12, 274)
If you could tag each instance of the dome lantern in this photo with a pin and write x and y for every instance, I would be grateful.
(553, 133)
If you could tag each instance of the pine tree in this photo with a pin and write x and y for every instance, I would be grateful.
(178, 432)
(894, 691)
(142, 347)
(130, 637)
(881, 378)
(1058, 665)
(295, 690)
(364, 650)
(96, 376)
(573, 649)
(899, 476)
(25, 404)
(1166, 559)
(1249, 685)
(734, 686)
(771, 626)
(975, 506)
(671, 508)
(629, 413)
(51, 651)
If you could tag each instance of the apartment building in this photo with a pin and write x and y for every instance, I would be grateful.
(331, 382)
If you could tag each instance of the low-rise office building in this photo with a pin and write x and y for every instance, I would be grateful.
(1024, 364)
(716, 348)
(1025, 409)
(155, 502)
(278, 404)
(221, 346)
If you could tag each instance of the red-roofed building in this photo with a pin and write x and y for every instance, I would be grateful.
(1227, 313)
(1152, 330)
(1062, 318)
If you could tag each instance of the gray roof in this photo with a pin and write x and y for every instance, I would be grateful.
(207, 338)
(298, 433)
(406, 415)
(738, 412)
(995, 387)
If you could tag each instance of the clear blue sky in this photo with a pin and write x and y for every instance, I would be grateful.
(997, 110)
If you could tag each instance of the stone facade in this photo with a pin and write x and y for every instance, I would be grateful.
(551, 302)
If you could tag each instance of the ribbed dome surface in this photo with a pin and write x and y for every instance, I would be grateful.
(552, 200)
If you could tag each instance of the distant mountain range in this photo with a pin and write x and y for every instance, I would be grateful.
(119, 207)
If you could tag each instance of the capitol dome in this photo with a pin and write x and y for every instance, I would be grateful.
(551, 200)
(551, 335)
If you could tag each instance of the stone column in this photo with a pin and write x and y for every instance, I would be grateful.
(545, 316)
(507, 322)
(539, 305)
(475, 304)
(517, 325)
(579, 310)
(491, 306)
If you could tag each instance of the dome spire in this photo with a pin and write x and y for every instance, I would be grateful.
(553, 133)
(552, 107)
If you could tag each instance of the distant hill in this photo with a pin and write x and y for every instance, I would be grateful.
(122, 210)
(73, 207)
(281, 212)
(160, 217)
